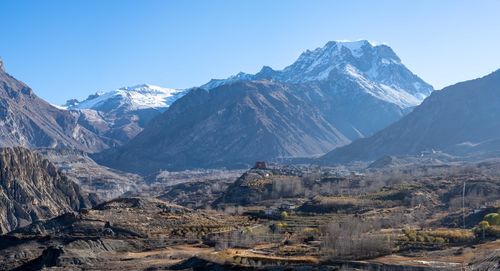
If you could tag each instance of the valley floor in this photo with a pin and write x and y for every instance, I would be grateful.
(281, 218)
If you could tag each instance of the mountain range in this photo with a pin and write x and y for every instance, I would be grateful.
(327, 98)
(341, 93)
(377, 69)
(121, 114)
(461, 119)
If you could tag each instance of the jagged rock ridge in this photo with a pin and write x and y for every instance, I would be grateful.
(31, 188)
(375, 68)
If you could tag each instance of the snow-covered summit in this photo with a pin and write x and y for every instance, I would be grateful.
(334, 49)
(121, 114)
(137, 97)
(375, 68)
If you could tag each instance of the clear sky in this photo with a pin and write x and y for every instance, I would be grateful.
(69, 49)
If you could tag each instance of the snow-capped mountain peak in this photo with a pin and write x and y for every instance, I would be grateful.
(147, 89)
(332, 49)
(354, 46)
(122, 113)
(143, 96)
(375, 68)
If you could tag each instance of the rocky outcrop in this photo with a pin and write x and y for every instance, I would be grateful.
(91, 177)
(257, 185)
(31, 188)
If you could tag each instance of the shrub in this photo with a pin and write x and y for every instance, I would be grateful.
(453, 236)
(410, 234)
(483, 225)
(281, 225)
(494, 231)
(439, 240)
(437, 236)
(284, 214)
(493, 219)
(485, 229)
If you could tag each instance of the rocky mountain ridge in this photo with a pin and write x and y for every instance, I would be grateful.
(376, 68)
(31, 188)
(121, 114)
(29, 121)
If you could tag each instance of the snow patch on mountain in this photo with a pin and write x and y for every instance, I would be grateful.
(61, 107)
(391, 94)
(138, 97)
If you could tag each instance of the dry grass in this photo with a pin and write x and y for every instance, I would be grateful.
(447, 257)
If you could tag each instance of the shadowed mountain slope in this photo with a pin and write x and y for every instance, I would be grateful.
(461, 119)
(26, 120)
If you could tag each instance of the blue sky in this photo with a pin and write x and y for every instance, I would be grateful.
(66, 49)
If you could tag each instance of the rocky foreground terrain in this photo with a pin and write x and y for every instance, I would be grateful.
(394, 216)
(32, 188)
(116, 235)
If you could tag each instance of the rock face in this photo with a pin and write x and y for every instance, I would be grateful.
(26, 120)
(250, 187)
(322, 101)
(461, 119)
(31, 188)
(91, 177)
(121, 114)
